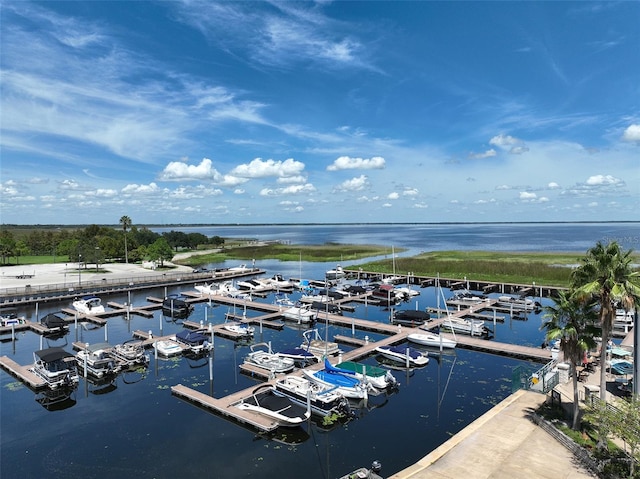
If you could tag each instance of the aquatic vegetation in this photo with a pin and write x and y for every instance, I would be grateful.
(14, 386)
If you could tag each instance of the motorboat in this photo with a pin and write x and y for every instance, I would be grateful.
(387, 294)
(300, 314)
(56, 367)
(325, 307)
(54, 323)
(175, 305)
(473, 327)
(97, 360)
(267, 402)
(466, 298)
(131, 353)
(314, 344)
(299, 355)
(263, 357)
(432, 340)
(195, 341)
(167, 347)
(11, 318)
(88, 305)
(254, 286)
(208, 289)
(283, 299)
(335, 273)
(279, 283)
(410, 318)
(238, 328)
(377, 377)
(407, 292)
(323, 400)
(347, 385)
(404, 354)
(518, 304)
(243, 268)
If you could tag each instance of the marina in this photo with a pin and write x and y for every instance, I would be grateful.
(452, 390)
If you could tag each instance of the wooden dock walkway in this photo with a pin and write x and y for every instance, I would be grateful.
(23, 373)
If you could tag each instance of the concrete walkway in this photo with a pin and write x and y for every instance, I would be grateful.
(503, 443)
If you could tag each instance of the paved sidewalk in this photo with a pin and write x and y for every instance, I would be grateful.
(503, 443)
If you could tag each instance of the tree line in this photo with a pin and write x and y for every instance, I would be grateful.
(95, 243)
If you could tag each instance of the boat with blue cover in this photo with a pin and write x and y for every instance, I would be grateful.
(195, 340)
(404, 354)
(347, 385)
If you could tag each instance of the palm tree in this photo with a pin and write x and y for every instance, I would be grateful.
(572, 321)
(607, 276)
(125, 221)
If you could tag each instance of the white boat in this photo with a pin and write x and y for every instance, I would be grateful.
(466, 298)
(300, 314)
(263, 357)
(377, 377)
(130, 353)
(299, 355)
(314, 344)
(324, 400)
(98, 360)
(347, 385)
(473, 327)
(404, 354)
(56, 367)
(238, 328)
(88, 305)
(254, 286)
(283, 299)
(209, 289)
(10, 318)
(267, 402)
(243, 268)
(518, 304)
(432, 340)
(335, 273)
(278, 283)
(167, 347)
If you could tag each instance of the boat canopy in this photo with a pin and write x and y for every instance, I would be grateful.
(50, 355)
(191, 337)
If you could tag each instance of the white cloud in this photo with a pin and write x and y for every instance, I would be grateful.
(289, 190)
(354, 184)
(140, 189)
(348, 163)
(504, 141)
(632, 133)
(527, 196)
(410, 192)
(518, 150)
(480, 156)
(393, 196)
(553, 185)
(600, 180)
(181, 171)
(260, 168)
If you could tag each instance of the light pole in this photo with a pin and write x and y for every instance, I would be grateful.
(79, 271)
(97, 258)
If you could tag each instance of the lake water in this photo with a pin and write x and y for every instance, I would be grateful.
(136, 428)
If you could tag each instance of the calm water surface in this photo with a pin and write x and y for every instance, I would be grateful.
(135, 427)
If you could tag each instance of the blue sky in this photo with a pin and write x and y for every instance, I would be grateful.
(277, 112)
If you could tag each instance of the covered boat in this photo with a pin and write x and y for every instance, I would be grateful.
(298, 354)
(56, 367)
(376, 376)
(196, 341)
(404, 354)
(410, 318)
(519, 303)
(347, 385)
(54, 322)
(473, 327)
(267, 402)
(314, 344)
(175, 305)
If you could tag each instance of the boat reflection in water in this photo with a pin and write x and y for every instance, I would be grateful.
(57, 399)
